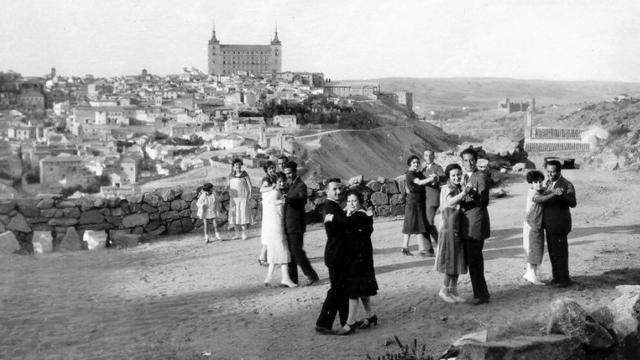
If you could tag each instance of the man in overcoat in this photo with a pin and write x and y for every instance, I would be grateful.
(556, 222)
(475, 227)
(294, 224)
(336, 260)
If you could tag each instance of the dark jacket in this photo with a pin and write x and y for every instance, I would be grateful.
(556, 217)
(336, 251)
(433, 188)
(294, 204)
(474, 222)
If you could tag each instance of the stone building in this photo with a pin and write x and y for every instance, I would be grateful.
(61, 170)
(227, 59)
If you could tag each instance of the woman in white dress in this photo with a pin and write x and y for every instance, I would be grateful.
(268, 184)
(239, 195)
(273, 232)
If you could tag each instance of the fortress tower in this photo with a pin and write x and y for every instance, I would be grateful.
(227, 59)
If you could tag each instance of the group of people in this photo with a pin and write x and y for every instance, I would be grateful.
(447, 210)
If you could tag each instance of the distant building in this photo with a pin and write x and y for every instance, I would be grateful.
(346, 89)
(227, 59)
(183, 130)
(61, 171)
(128, 171)
(32, 100)
(287, 121)
(521, 106)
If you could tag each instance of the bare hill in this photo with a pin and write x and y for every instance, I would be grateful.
(378, 152)
(438, 93)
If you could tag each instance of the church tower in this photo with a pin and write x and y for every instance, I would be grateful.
(276, 53)
(214, 54)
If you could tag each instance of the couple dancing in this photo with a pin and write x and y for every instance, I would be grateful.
(284, 196)
(349, 258)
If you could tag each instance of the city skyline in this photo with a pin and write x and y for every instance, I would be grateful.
(572, 40)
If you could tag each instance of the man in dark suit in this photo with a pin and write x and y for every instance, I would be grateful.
(294, 224)
(556, 222)
(336, 259)
(434, 173)
(474, 223)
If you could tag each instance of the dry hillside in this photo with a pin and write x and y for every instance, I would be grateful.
(372, 153)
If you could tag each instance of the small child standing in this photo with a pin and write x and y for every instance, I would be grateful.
(533, 234)
(208, 210)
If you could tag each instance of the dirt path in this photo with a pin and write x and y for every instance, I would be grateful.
(178, 299)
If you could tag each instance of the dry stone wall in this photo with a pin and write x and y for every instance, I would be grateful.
(58, 224)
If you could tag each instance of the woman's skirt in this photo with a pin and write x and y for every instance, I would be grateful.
(415, 215)
(450, 257)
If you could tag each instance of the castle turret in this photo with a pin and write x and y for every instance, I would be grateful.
(276, 52)
(213, 54)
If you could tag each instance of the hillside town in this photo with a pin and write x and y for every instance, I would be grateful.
(105, 134)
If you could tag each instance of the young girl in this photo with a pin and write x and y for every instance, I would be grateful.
(450, 257)
(239, 195)
(532, 233)
(208, 209)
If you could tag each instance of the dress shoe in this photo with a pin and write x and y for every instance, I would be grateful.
(563, 284)
(311, 281)
(347, 330)
(366, 323)
(406, 252)
(479, 300)
(324, 330)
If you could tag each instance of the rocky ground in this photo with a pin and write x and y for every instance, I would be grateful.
(180, 299)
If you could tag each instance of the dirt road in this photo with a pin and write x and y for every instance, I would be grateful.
(180, 299)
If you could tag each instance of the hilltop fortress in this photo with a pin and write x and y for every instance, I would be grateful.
(227, 59)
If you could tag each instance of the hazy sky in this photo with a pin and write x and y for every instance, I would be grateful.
(554, 40)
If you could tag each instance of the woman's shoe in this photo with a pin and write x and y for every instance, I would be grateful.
(347, 330)
(218, 237)
(444, 295)
(406, 252)
(262, 262)
(453, 293)
(244, 236)
(289, 284)
(366, 323)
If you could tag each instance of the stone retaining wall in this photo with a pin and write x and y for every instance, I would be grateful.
(147, 216)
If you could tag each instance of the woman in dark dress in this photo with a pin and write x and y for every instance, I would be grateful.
(415, 211)
(361, 278)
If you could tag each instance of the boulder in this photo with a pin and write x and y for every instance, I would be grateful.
(169, 215)
(168, 195)
(134, 220)
(374, 185)
(95, 239)
(390, 187)
(62, 221)
(42, 242)
(126, 240)
(72, 212)
(6, 206)
(148, 208)
(163, 206)
(626, 325)
(70, 241)
(65, 204)
(134, 208)
(178, 205)
(569, 318)
(396, 199)
(187, 225)
(46, 203)
(117, 211)
(188, 195)
(99, 202)
(91, 217)
(18, 223)
(379, 198)
(175, 227)
(151, 199)
(134, 198)
(556, 347)
(4, 219)
(28, 207)
(151, 235)
(85, 204)
(8, 243)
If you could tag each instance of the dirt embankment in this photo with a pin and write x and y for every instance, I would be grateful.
(372, 153)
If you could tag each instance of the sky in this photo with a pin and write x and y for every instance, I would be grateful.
(525, 39)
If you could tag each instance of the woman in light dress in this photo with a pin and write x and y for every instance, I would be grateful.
(268, 183)
(239, 195)
(273, 232)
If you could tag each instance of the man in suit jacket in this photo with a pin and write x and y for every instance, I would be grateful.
(294, 224)
(435, 174)
(336, 259)
(556, 222)
(474, 223)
